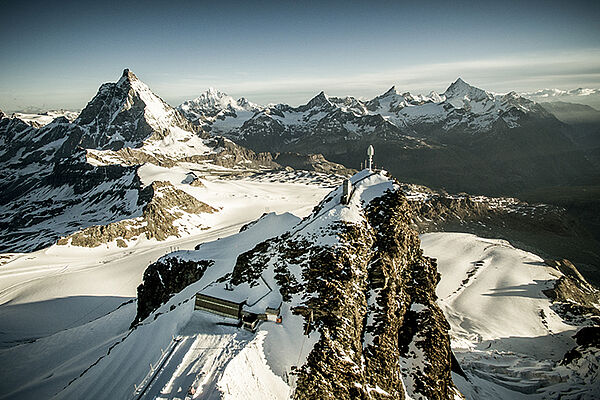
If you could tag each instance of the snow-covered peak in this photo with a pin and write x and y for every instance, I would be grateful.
(113, 99)
(319, 100)
(214, 104)
(436, 97)
(209, 100)
(126, 113)
(460, 90)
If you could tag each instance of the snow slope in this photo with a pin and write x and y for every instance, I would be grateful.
(44, 118)
(505, 332)
(58, 305)
(66, 310)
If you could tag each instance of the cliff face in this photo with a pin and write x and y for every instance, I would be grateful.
(163, 279)
(547, 230)
(362, 282)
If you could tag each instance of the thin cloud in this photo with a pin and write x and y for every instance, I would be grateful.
(518, 72)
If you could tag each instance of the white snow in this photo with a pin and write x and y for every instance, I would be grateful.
(65, 310)
(58, 304)
(504, 332)
(44, 118)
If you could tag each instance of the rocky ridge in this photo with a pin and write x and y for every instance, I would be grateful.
(357, 277)
(546, 229)
(167, 204)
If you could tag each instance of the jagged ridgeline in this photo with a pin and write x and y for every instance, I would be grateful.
(83, 175)
(354, 272)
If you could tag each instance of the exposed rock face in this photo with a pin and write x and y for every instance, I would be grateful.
(163, 279)
(573, 295)
(46, 200)
(548, 230)
(312, 162)
(166, 205)
(370, 295)
(125, 114)
(68, 176)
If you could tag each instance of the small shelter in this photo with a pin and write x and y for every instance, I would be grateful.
(225, 308)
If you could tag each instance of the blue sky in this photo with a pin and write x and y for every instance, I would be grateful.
(56, 54)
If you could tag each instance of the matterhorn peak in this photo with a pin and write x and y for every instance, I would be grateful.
(127, 77)
(126, 113)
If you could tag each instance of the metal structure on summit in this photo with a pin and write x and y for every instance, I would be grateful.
(370, 154)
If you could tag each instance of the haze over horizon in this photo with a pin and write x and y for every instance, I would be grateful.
(271, 52)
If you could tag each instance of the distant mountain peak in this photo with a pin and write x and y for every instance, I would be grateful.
(126, 113)
(460, 90)
(212, 97)
(391, 91)
(319, 100)
(213, 102)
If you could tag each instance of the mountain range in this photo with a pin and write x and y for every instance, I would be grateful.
(465, 139)
(66, 176)
(146, 256)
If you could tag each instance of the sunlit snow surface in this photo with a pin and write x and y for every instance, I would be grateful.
(66, 309)
(504, 332)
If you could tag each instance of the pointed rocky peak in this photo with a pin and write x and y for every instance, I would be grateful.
(126, 113)
(127, 77)
(461, 90)
(319, 100)
(391, 91)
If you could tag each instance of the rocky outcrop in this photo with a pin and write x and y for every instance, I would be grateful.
(166, 204)
(583, 359)
(370, 294)
(573, 296)
(545, 229)
(163, 279)
(312, 162)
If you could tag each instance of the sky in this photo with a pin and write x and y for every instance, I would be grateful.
(56, 54)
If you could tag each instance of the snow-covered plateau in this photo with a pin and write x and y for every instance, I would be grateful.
(67, 310)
